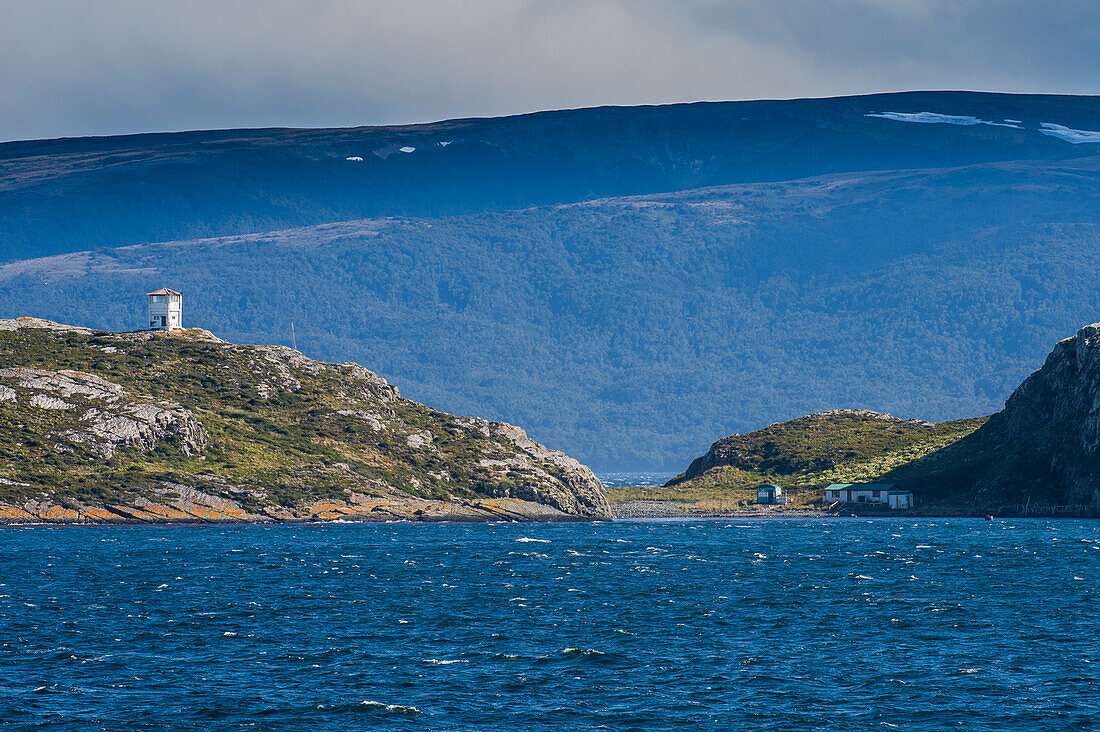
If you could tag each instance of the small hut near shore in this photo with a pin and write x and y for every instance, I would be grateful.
(770, 494)
(882, 493)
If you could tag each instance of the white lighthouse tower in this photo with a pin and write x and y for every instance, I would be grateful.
(165, 309)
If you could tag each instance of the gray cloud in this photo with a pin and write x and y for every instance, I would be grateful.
(116, 66)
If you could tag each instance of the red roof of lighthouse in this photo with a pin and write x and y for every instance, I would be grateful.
(164, 291)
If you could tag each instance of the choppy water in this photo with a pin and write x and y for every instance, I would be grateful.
(780, 624)
(646, 480)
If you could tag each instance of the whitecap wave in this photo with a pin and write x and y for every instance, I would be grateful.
(370, 707)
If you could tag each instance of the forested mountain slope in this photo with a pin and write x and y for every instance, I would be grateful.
(631, 331)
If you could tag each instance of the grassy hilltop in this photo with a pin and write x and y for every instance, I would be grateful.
(803, 455)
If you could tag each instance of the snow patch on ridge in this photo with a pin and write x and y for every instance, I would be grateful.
(936, 118)
(1069, 134)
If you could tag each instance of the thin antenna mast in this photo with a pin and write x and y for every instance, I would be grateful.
(292, 338)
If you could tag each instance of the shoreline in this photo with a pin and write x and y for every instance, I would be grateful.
(675, 509)
(492, 511)
(658, 509)
(201, 509)
(626, 518)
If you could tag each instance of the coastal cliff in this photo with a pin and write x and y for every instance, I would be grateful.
(182, 426)
(1042, 449)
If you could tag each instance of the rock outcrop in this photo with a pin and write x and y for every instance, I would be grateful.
(183, 504)
(39, 323)
(565, 484)
(99, 415)
(182, 426)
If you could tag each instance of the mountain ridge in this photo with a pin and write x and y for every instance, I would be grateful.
(79, 193)
(892, 95)
(600, 259)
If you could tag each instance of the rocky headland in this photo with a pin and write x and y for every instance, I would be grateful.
(1040, 455)
(183, 427)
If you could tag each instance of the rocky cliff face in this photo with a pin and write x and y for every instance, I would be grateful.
(1043, 448)
(183, 426)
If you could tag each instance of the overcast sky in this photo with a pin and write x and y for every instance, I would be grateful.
(80, 67)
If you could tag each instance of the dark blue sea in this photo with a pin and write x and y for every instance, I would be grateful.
(839, 624)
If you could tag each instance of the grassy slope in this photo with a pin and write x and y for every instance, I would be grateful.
(802, 455)
(263, 451)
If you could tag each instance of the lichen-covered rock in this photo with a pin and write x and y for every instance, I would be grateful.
(376, 420)
(144, 426)
(45, 401)
(104, 417)
(39, 323)
(63, 383)
(362, 383)
(419, 439)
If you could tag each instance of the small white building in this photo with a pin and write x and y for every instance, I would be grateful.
(165, 309)
(869, 493)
